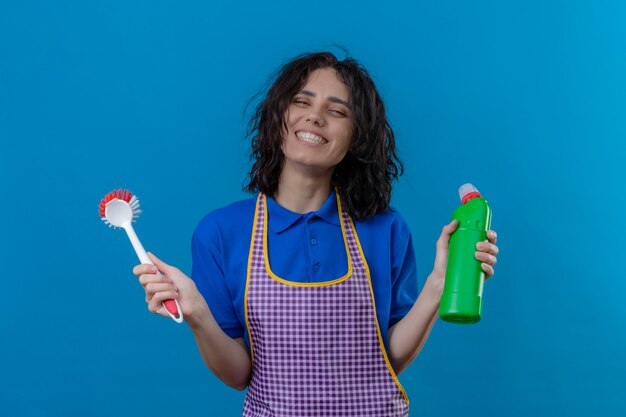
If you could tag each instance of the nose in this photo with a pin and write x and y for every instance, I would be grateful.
(315, 118)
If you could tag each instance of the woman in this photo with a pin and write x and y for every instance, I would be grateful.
(307, 292)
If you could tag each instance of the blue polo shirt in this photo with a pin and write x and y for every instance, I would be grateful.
(302, 248)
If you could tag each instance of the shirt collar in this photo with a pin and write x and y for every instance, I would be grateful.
(281, 219)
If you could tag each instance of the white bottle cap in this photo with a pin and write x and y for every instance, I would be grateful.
(465, 189)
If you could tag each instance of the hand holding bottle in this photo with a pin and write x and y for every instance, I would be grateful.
(486, 252)
(470, 256)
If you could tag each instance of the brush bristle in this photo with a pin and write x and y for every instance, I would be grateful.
(120, 194)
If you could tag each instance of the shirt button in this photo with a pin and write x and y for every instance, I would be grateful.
(316, 267)
(313, 241)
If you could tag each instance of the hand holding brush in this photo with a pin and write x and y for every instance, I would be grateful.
(119, 209)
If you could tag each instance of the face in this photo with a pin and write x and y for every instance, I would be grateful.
(319, 124)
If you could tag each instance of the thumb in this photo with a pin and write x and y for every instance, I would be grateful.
(447, 230)
(452, 226)
(162, 266)
(441, 257)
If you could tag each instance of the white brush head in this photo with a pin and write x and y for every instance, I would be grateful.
(119, 209)
(118, 213)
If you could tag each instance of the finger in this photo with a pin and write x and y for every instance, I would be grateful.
(488, 248)
(148, 278)
(163, 267)
(155, 287)
(144, 269)
(447, 230)
(488, 270)
(485, 257)
(162, 311)
(492, 236)
(155, 303)
(159, 298)
(452, 226)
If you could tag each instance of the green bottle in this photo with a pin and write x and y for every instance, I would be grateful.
(461, 301)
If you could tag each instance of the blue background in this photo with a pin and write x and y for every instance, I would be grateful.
(525, 99)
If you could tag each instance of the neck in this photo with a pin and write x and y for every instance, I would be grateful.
(302, 192)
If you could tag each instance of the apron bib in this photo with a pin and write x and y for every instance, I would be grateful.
(316, 347)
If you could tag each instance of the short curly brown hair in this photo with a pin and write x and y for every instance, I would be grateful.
(364, 177)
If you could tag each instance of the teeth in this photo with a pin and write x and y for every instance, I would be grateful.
(310, 137)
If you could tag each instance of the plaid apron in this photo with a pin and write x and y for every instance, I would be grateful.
(316, 347)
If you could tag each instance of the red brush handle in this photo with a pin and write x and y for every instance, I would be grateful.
(170, 305)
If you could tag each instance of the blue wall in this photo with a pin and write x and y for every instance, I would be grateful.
(525, 99)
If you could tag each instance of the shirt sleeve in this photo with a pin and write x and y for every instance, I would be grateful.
(208, 273)
(404, 289)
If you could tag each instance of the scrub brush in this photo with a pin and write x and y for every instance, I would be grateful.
(119, 209)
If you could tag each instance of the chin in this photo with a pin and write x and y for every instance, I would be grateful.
(308, 164)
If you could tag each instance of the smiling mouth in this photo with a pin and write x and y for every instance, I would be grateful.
(311, 138)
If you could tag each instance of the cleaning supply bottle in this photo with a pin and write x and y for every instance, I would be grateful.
(461, 301)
